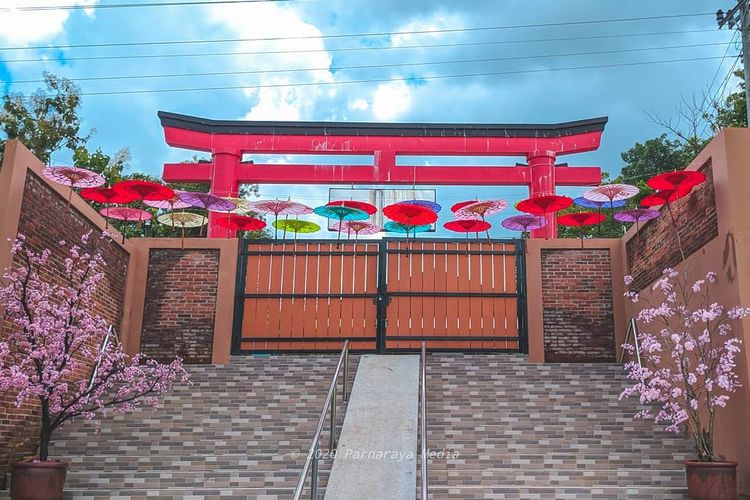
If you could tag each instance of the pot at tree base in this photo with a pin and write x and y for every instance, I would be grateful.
(711, 480)
(37, 481)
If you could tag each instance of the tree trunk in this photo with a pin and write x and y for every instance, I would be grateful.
(46, 432)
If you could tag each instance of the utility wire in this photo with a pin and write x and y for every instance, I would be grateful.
(381, 66)
(387, 80)
(342, 49)
(38, 8)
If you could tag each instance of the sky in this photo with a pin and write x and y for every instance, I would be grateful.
(410, 77)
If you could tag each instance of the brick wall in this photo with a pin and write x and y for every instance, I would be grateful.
(179, 314)
(655, 246)
(578, 320)
(45, 220)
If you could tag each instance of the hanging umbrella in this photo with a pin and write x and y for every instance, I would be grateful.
(611, 193)
(182, 220)
(524, 222)
(435, 207)
(240, 205)
(126, 214)
(468, 226)
(481, 209)
(410, 215)
(636, 215)
(206, 201)
(397, 227)
(145, 190)
(544, 205)
(676, 180)
(581, 220)
(173, 203)
(279, 207)
(73, 177)
(598, 205)
(357, 227)
(368, 208)
(297, 226)
(239, 223)
(461, 204)
(107, 196)
(341, 213)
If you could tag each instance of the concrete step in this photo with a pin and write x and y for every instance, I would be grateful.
(376, 454)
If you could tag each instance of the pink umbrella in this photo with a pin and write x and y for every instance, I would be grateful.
(636, 215)
(357, 227)
(480, 210)
(125, 214)
(206, 201)
(170, 204)
(611, 193)
(74, 177)
(279, 207)
(524, 222)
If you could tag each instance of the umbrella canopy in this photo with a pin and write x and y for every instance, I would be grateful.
(611, 193)
(145, 190)
(410, 215)
(368, 208)
(107, 195)
(182, 219)
(73, 176)
(357, 227)
(481, 209)
(524, 222)
(636, 215)
(584, 203)
(683, 179)
(461, 204)
(435, 207)
(467, 225)
(397, 227)
(297, 226)
(279, 207)
(542, 205)
(240, 205)
(660, 198)
(126, 214)
(341, 212)
(206, 201)
(581, 219)
(240, 222)
(172, 203)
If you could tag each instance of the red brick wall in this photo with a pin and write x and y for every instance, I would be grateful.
(578, 319)
(179, 315)
(655, 246)
(45, 220)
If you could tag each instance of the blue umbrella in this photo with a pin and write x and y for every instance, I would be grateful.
(340, 213)
(435, 207)
(397, 227)
(583, 202)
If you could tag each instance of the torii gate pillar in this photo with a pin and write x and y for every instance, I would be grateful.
(542, 167)
(224, 182)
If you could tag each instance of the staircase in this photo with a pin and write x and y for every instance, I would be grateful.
(240, 430)
(552, 431)
(520, 431)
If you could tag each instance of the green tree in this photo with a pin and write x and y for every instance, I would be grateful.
(732, 112)
(111, 167)
(45, 121)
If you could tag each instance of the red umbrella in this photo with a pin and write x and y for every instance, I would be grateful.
(368, 208)
(107, 196)
(676, 180)
(412, 215)
(461, 204)
(468, 226)
(239, 222)
(125, 214)
(543, 205)
(581, 219)
(145, 190)
(74, 177)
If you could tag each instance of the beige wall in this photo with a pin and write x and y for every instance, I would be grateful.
(729, 256)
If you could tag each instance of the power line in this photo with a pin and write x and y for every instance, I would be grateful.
(387, 80)
(37, 8)
(342, 49)
(382, 66)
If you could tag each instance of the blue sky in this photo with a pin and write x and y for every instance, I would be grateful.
(534, 93)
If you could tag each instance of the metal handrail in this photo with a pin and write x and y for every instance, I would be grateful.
(423, 421)
(312, 454)
(632, 329)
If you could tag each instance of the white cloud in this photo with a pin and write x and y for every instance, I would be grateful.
(292, 34)
(358, 105)
(23, 27)
(391, 100)
(437, 21)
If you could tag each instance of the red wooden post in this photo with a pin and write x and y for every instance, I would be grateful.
(542, 166)
(224, 182)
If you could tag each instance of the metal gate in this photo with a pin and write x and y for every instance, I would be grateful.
(387, 295)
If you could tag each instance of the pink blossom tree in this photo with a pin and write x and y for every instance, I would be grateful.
(61, 353)
(687, 368)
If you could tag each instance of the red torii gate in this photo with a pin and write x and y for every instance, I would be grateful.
(228, 140)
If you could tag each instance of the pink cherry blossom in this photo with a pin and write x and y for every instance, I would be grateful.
(56, 337)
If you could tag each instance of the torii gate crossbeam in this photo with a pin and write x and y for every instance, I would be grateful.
(227, 141)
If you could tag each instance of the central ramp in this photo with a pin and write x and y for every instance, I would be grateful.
(376, 457)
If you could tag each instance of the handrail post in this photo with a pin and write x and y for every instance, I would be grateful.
(333, 421)
(346, 374)
(635, 341)
(314, 478)
(423, 421)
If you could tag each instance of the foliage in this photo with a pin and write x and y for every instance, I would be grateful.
(732, 112)
(45, 121)
(688, 357)
(110, 167)
(60, 352)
